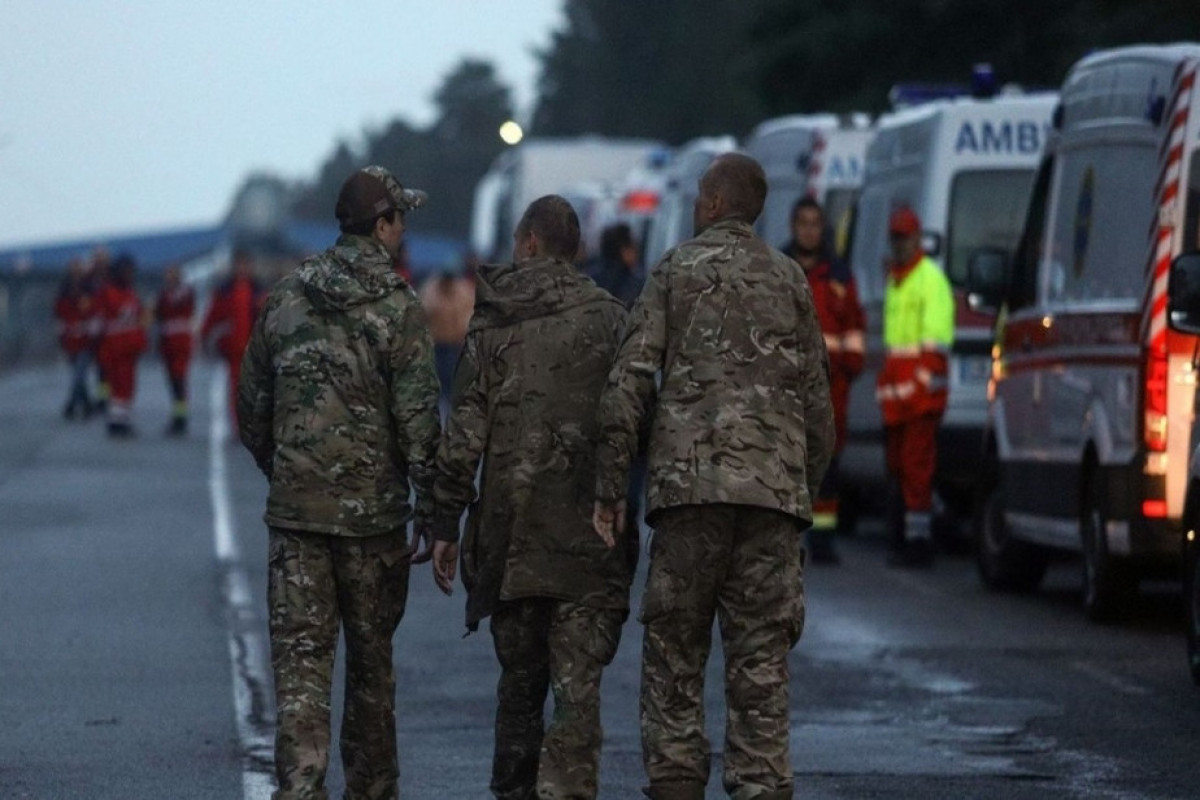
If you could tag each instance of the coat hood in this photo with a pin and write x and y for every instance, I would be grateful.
(510, 293)
(355, 271)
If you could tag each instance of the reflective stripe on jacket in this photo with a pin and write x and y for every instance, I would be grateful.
(918, 330)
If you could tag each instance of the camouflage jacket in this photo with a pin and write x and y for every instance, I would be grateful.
(743, 414)
(539, 348)
(338, 397)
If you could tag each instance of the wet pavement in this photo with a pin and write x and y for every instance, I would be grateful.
(133, 657)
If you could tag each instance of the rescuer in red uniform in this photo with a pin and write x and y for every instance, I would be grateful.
(235, 304)
(122, 342)
(173, 312)
(841, 318)
(75, 309)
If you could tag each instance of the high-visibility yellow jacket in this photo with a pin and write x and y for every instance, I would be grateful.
(918, 330)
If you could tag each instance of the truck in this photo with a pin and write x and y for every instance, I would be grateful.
(965, 165)
(1092, 392)
(580, 167)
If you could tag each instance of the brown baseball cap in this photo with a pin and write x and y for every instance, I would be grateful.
(372, 191)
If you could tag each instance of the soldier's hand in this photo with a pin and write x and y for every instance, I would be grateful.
(607, 518)
(422, 532)
(445, 563)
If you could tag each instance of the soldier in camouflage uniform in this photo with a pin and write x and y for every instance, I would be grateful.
(338, 404)
(537, 354)
(742, 433)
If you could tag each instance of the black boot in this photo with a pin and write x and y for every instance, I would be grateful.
(820, 546)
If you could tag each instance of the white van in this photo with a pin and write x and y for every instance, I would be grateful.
(584, 165)
(835, 175)
(784, 147)
(965, 166)
(1093, 395)
(672, 222)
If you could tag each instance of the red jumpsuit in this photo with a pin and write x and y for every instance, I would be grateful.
(173, 312)
(235, 304)
(76, 312)
(841, 317)
(123, 340)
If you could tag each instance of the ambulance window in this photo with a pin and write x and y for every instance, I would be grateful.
(1098, 249)
(987, 209)
(839, 204)
(1191, 225)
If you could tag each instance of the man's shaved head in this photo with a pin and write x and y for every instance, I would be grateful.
(740, 181)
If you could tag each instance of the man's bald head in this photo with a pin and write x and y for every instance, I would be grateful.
(735, 186)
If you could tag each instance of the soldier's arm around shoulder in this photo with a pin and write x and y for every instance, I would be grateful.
(256, 395)
(414, 399)
(463, 441)
(629, 392)
(818, 407)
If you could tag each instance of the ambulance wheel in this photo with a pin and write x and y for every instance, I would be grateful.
(1107, 584)
(1005, 563)
(1191, 596)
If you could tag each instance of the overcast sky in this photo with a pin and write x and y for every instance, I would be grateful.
(126, 116)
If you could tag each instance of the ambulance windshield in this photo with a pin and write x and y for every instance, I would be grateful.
(987, 210)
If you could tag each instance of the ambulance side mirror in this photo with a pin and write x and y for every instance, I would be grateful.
(987, 279)
(1183, 294)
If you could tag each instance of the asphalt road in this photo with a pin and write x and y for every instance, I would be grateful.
(132, 640)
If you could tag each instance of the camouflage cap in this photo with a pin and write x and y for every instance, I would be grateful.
(372, 191)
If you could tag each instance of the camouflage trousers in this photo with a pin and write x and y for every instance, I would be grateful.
(543, 644)
(316, 585)
(745, 566)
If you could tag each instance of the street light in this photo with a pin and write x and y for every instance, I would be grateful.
(511, 133)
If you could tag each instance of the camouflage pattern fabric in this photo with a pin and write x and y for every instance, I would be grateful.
(540, 344)
(338, 395)
(743, 414)
(314, 582)
(564, 646)
(744, 565)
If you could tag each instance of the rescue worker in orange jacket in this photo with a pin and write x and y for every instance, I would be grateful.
(173, 312)
(918, 330)
(841, 316)
(75, 309)
(122, 342)
(230, 318)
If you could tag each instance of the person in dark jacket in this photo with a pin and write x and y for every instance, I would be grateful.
(538, 351)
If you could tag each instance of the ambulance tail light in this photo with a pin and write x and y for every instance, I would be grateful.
(1155, 421)
(641, 202)
(1154, 509)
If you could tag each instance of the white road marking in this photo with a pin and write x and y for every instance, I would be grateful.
(247, 655)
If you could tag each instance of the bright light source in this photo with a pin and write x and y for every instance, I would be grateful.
(511, 133)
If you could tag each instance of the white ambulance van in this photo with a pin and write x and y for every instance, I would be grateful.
(835, 175)
(1092, 393)
(965, 166)
(784, 147)
(583, 165)
(673, 218)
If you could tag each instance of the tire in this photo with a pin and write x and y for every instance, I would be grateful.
(1107, 583)
(1005, 563)
(1191, 602)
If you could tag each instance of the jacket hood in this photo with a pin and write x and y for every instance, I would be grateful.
(355, 271)
(510, 293)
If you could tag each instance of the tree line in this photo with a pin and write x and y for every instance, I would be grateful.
(676, 69)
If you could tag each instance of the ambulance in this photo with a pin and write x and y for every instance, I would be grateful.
(965, 165)
(1093, 394)
(582, 166)
(835, 174)
(673, 217)
(784, 147)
